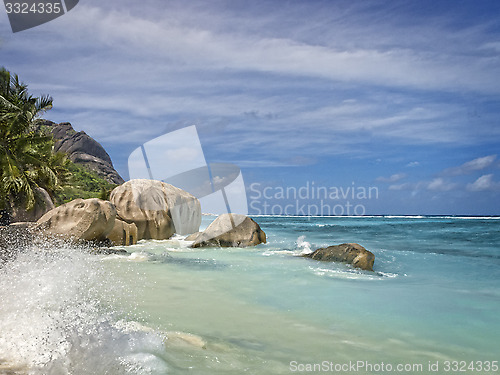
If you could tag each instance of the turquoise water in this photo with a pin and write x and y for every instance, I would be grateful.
(167, 308)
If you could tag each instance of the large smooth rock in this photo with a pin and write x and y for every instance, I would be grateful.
(351, 253)
(123, 234)
(231, 230)
(43, 205)
(157, 209)
(81, 219)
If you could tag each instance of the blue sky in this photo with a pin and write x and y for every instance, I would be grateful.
(403, 96)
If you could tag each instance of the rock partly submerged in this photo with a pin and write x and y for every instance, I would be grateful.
(156, 208)
(176, 338)
(351, 253)
(230, 230)
(123, 234)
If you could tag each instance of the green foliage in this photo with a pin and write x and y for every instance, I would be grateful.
(83, 183)
(24, 153)
(27, 160)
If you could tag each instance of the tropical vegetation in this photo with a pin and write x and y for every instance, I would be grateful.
(83, 183)
(27, 160)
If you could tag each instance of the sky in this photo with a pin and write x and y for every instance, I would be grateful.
(399, 99)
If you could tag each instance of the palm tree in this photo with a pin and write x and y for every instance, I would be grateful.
(25, 154)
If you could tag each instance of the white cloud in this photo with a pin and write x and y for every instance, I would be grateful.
(394, 178)
(483, 183)
(413, 164)
(440, 184)
(184, 38)
(470, 166)
(403, 186)
(437, 184)
(141, 67)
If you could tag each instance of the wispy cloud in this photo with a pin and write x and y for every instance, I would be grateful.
(440, 184)
(437, 184)
(443, 183)
(160, 64)
(195, 46)
(320, 84)
(393, 178)
(403, 186)
(484, 183)
(477, 164)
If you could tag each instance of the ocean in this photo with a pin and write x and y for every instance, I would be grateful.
(430, 306)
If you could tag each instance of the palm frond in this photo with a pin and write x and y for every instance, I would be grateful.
(43, 104)
(25, 162)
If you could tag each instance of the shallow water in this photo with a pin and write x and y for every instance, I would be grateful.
(166, 308)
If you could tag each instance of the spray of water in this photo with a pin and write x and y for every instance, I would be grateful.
(59, 315)
(303, 245)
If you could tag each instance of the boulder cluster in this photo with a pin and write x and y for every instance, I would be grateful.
(145, 209)
(137, 209)
(148, 209)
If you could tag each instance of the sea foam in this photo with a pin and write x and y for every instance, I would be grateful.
(57, 316)
(303, 245)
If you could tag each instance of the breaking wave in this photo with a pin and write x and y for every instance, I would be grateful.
(59, 314)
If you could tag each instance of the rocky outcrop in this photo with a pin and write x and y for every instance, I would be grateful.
(82, 149)
(156, 208)
(351, 253)
(43, 204)
(230, 230)
(81, 219)
(123, 234)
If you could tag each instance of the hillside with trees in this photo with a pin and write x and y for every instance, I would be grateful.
(31, 173)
